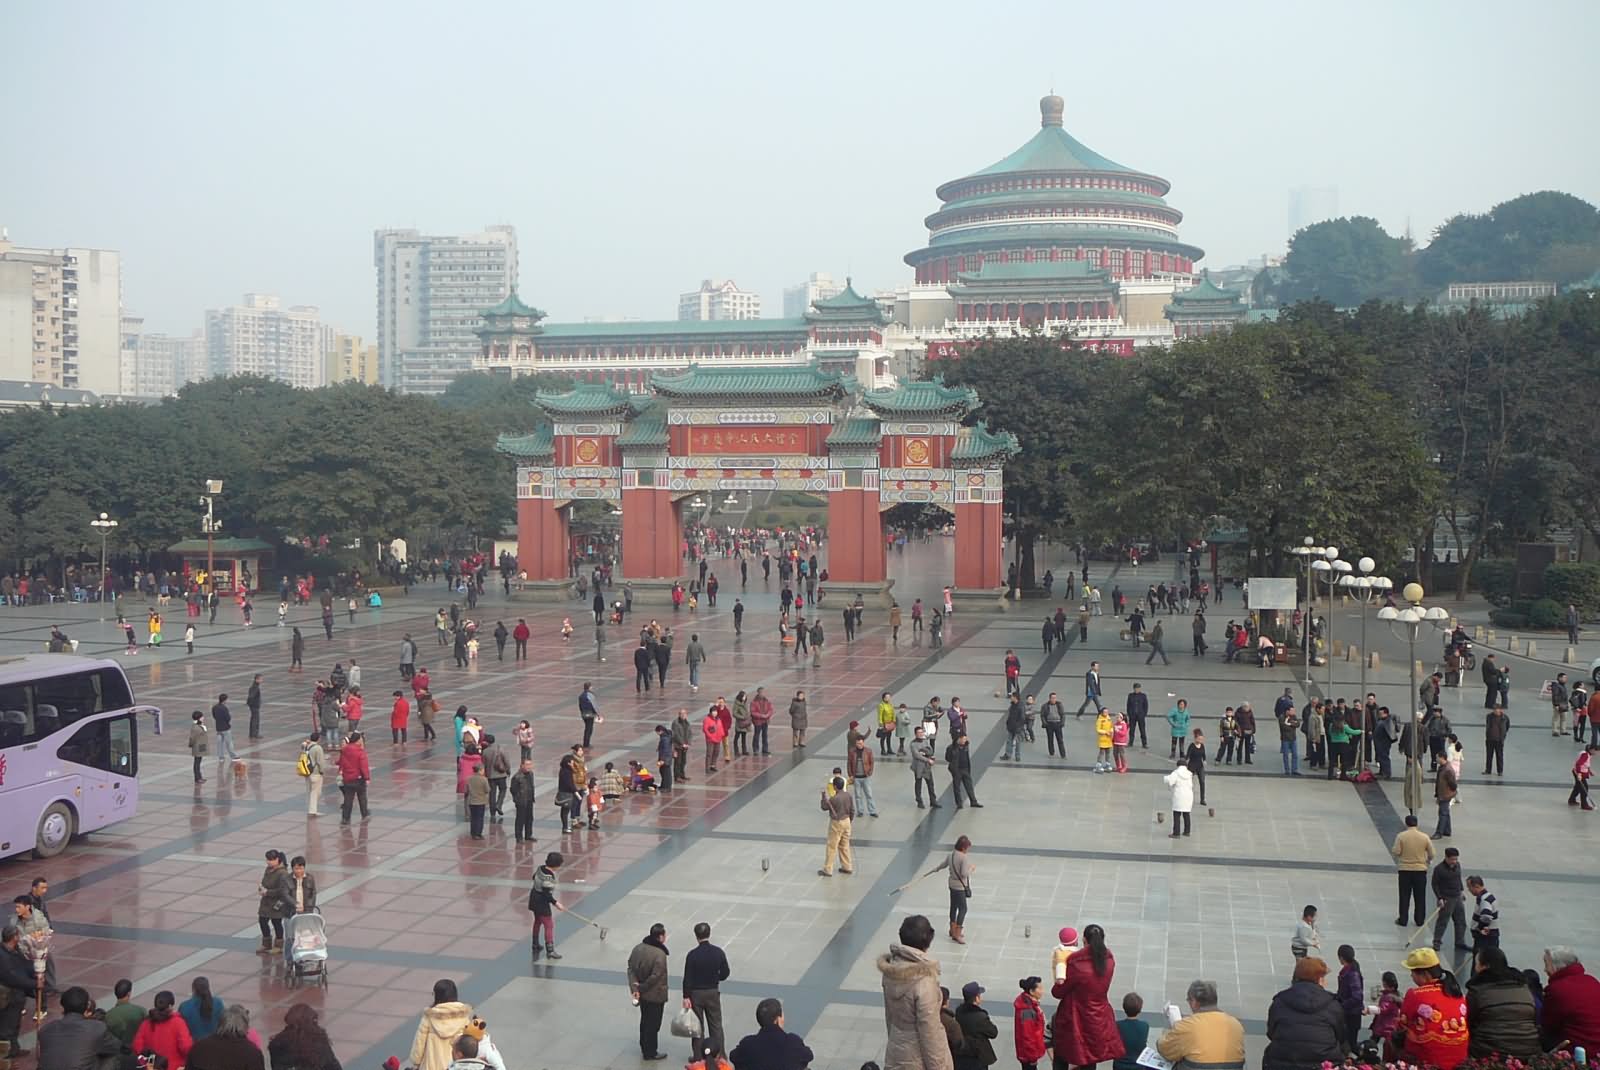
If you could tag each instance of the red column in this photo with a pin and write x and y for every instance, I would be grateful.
(542, 544)
(856, 551)
(651, 535)
(979, 545)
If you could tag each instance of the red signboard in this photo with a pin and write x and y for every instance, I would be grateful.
(745, 439)
(1122, 347)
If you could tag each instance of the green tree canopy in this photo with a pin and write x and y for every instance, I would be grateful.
(1547, 236)
(1345, 262)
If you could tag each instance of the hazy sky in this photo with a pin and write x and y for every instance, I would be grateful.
(641, 147)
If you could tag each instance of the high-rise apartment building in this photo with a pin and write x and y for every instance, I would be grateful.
(260, 337)
(797, 300)
(167, 363)
(351, 361)
(128, 372)
(61, 317)
(431, 289)
(719, 301)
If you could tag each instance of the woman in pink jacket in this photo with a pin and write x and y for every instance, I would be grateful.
(715, 733)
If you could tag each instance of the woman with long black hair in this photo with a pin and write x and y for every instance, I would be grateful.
(1085, 1025)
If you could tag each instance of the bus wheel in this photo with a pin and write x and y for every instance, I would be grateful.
(56, 825)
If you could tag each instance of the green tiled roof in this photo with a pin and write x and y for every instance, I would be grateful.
(666, 330)
(1053, 195)
(857, 432)
(587, 399)
(513, 306)
(922, 399)
(221, 546)
(981, 444)
(649, 428)
(538, 444)
(1053, 149)
(802, 381)
(847, 305)
(1011, 235)
(1204, 292)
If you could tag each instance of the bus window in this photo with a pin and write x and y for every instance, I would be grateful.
(122, 755)
(13, 727)
(89, 745)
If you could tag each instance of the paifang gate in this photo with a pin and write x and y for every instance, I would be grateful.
(737, 429)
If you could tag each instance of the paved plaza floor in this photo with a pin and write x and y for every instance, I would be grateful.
(409, 898)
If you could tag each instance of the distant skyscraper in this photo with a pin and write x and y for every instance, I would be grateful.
(1311, 204)
(128, 373)
(61, 317)
(719, 301)
(349, 360)
(167, 363)
(430, 291)
(797, 300)
(260, 337)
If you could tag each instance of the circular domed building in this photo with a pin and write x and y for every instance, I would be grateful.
(1057, 235)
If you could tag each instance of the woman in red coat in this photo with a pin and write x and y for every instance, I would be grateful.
(1028, 1023)
(1085, 1026)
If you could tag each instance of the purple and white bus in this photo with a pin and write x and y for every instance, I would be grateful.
(69, 750)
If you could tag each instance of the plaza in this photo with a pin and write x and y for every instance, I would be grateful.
(410, 898)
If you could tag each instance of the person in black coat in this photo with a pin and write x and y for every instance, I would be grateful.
(1305, 1024)
(977, 1030)
(772, 1048)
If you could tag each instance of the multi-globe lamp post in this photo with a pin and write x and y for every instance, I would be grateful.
(1308, 552)
(1412, 618)
(103, 524)
(1368, 590)
(1332, 569)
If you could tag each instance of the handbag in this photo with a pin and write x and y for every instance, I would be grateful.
(686, 1023)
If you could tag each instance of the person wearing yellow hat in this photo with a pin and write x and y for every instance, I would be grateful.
(1432, 1027)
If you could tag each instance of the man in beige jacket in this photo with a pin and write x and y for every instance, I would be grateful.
(1208, 1037)
(911, 1000)
(1414, 852)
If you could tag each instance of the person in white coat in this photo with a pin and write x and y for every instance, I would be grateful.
(1181, 781)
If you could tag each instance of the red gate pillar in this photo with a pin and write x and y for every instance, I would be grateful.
(542, 544)
(652, 535)
(980, 545)
(856, 551)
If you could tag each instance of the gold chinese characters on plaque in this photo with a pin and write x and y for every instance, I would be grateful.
(917, 454)
(747, 440)
(586, 451)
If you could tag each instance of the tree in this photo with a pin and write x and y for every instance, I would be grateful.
(1548, 236)
(1346, 262)
(502, 403)
(1039, 387)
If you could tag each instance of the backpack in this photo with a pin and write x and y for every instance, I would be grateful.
(303, 766)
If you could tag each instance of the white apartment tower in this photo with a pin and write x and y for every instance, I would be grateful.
(61, 317)
(797, 300)
(260, 337)
(719, 301)
(167, 363)
(430, 291)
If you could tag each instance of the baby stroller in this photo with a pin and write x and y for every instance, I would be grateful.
(305, 949)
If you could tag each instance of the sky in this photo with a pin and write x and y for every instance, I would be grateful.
(641, 147)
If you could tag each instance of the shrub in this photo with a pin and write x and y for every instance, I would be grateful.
(1508, 618)
(1493, 578)
(1546, 613)
(1575, 584)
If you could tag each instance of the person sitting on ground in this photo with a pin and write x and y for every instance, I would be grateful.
(230, 1047)
(1501, 1016)
(1305, 1023)
(1207, 1035)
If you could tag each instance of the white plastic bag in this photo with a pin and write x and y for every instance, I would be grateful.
(686, 1023)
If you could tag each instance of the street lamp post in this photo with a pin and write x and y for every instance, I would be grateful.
(1331, 567)
(210, 525)
(104, 524)
(1366, 589)
(1412, 618)
(1307, 552)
